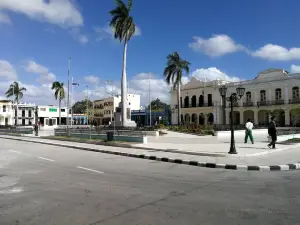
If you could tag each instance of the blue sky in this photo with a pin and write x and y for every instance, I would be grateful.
(222, 39)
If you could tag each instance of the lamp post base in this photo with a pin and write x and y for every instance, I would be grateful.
(232, 150)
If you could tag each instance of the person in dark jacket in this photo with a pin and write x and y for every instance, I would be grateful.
(272, 130)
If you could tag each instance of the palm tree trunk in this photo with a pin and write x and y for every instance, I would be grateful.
(124, 87)
(59, 120)
(178, 102)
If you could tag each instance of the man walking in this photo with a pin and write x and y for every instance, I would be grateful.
(248, 132)
(272, 132)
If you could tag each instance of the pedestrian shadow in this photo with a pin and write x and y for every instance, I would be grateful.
(252, 147)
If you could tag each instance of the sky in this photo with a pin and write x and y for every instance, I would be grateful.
(232, 40)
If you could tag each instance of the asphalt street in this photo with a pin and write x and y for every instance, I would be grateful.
(46, 185)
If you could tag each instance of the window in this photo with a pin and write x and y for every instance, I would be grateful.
(295, 93)
(63, 110)
(262, 95)
(16, 112)
(23, 121)
(209, 98)
(248, 96)
(278, 94)
(23, 113)
(29, 113)
(54, 122)
(30, 123)
(43, 109)
(4, 108)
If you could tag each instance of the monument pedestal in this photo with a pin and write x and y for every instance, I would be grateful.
(118, 118)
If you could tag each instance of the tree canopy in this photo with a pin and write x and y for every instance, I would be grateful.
(157, 104)
(80, 107)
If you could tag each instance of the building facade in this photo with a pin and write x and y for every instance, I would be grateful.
(103, 110)
(6, 113)
(142, 117)
(272, 92)
(48, 116)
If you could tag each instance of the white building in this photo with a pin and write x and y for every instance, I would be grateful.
(16, 114)
(272, 92)
(49, 116)
(6, 113)
(103, 110)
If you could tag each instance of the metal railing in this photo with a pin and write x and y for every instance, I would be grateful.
(204, 104)
(248, 104)
(294, 101)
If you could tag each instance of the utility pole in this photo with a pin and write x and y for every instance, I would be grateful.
(68, 103)
(112, 95)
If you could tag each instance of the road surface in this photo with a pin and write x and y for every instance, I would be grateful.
(41, 184)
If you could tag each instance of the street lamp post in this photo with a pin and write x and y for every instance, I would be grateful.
(232, 99)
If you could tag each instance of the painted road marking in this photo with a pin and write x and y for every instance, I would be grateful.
(51, 160)
(15, 151)
(83, 168)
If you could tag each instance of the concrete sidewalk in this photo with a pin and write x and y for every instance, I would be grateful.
(276, 161)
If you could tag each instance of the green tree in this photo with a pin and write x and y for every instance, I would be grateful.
(124, 28)
(80, 107)
(16, 91)
(59, 94)
(173, 75)
(157, 104)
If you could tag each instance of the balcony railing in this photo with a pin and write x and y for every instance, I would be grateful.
(268, 103)
(248, 104)
(210, 104)
(235, 104)
(294, 101)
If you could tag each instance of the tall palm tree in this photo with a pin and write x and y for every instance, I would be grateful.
(124, 28)
(173, 75)
(16, 92)
(59, 94)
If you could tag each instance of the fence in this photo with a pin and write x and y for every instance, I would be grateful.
(94, 133)
(16, 131)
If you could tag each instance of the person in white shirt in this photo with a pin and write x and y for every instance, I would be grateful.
(248, 131)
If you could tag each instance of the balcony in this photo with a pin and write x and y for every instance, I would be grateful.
(235, 104)
(210, 104)
(268, 103)
(294, 101)
(248, 104)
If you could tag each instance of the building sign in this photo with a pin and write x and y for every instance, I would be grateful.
(52, 110)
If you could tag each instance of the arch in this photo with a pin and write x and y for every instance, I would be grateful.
(201, 101)
(194, 101)
(194, 118)
(263, 117)
(280, 117)
(187, 118)
(186, 102)
(181, 119)
(248, 114)
(210, 118)
(201, 119)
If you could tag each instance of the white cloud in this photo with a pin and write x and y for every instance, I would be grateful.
(107, 32)
(276, 52)
(7, 71)
(4, 18)
(78, 36)
(46, 76)
(60, 12)
(215, 46)
(92, 79)
(212, 73)
(295, 69)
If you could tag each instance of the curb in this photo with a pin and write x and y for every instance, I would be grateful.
(286, 167)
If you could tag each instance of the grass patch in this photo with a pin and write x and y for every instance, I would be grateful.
(75, 139)
(293, 140)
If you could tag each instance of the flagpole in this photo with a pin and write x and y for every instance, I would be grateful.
(68, 103)
(72, 103)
